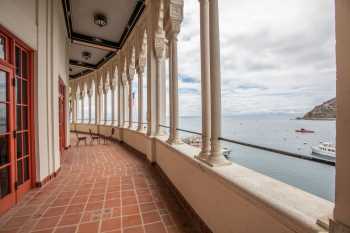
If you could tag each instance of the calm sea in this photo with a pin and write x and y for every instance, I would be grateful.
(278, 131)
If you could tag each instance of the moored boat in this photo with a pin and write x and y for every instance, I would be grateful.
(302, 130)
(325, 150)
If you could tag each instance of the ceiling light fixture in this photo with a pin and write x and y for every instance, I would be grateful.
(100, 20)
(86, 55)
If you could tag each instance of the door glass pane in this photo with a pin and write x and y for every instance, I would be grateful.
(4, 181)
(24, 92)
(25, 143)
(18, 61)
(18, 91)
(3, 86)
(19, 145)
(19, 172)
(18, 118)
(4, 158)
(24, 65)
(3, 118)
(25, 117)
(26, 169)
(2, 47)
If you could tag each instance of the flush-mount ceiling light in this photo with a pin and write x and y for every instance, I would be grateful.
(86, 55)
(100, 20)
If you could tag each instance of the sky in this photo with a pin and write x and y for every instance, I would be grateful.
(276, 56)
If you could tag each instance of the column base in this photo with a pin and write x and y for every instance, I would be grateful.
(174, 141)
(203, 156)
(215, 161)
(337, 227)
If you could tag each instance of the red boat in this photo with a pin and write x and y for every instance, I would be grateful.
(302, 130)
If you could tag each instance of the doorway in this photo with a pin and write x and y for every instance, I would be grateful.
(62, 115)
(17, 165)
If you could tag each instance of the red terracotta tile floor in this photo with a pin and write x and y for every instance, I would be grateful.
(101, 188)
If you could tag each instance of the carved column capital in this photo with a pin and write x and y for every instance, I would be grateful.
(174, 17)
(131, 74)
(159, 44)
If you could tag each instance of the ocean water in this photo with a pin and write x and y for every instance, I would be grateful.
(278, 131)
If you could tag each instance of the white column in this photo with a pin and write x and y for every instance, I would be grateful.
(101, 105)
(97, 105)
(82, 107)
(216, 157)
(120, 93)
(151, 71)
(113, 104)
(130, 103)
(158, 94)
(105, 106)
(205, 77)
(159, 54)
(341, 221)
(163, 93)
(171, 115)
(74, 110)
(140, 98)
(126, 104)
(174, 100)
(122, 103)
(89, 105)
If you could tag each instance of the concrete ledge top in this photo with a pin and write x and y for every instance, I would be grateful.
(297, 209)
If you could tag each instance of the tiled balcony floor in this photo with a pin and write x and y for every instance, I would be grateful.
(101, 188)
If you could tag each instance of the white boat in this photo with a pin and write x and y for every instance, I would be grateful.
(325, 149)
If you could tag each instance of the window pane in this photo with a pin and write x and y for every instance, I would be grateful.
(2, 47)
(18, 61)
(4, 158)
(19, 145)
(3, 118)
(3, 86)
(25, 117)
(19, 172)
(4, 181)
(24, 92)
(26, 168)
(18, 91)
(18, 118)
(25, 143)
(24, 65)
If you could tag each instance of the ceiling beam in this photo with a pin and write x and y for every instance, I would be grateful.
(78, 75)
(82, 64)
(94, 42)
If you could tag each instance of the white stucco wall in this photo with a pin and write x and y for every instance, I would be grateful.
(41, 25)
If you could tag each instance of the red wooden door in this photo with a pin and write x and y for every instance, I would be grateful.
(7, 157)
(62, 114)
(17, 165)
(22, 125)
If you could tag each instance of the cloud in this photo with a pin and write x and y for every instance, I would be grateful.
(276, 56)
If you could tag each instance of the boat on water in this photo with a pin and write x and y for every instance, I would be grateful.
(196, 141)
(325, 150)
(302, 130)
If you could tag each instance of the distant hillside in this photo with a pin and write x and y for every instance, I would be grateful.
(327, 110)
